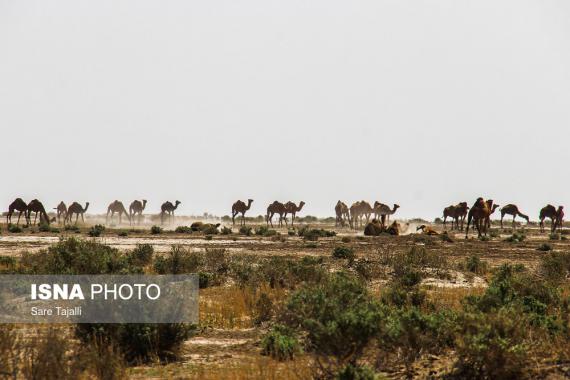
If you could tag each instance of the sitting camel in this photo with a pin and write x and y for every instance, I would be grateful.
(513, 210)
(375, 228)
(427, 230)
(20, 206)
(117, 207)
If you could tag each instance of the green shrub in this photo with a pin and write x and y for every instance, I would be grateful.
(555, 236)
(122, 233)
(491, 346)
(338, 316)
(263, 309)
(245, 230)
(291, 232)
(156, 230)
(544, 247)
(352, 372)
(142, 255)
(96, 230)
(177, 261)
(226, 231)
(280, 343)
(311, 245)
(44, 227)
(183, 230)
(14, 229)
(71, 227)
(139, 342)
(313, 234)
(73, 256)
(205, 279)
(346, 239)
(208, 237)
(343, 253)
(555, 266)
(474, 264)
(516, 237)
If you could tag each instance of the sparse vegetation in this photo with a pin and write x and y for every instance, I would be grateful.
(96, 230)
(156, 230)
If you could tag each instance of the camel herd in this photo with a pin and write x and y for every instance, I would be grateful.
(64, 213)
(357, 215)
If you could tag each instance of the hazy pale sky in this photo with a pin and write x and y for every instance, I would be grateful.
(422, 103)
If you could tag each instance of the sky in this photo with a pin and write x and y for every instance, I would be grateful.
(420, 103)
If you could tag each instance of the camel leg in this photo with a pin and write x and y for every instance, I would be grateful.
(19, 215)
(514, 216)
(502, 216)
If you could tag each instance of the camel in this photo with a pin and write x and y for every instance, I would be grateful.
(457, 213)
(342, 213)
(384, 212)
(37, 207)
(293, 209)
(200, 226)
(168, 208)
(137, 207)
(20, 206)
(77, 209)
(427, 230)
(556, 216)
(240, 208)
(117, 207)
(513, 210)
(480, 213)
(275, 208)
(358, 211)
(375, 228)
(61, 210)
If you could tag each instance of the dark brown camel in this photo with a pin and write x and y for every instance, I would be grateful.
(38, 208)
(77, 209)
(480, 214)
(513, 210)
(61, 210)
(240, 208)
(275, 208)
(117, 207)
(168, 208)
(555, 215)
(136, 208)
(20, 206)
(457, 213)
(293, 209)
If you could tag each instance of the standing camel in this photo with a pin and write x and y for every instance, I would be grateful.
(275, 208)
(342, 213)
(457, 213)
(77, 209)
(358, 211)
(137, 208)
(37, 207)
(117, 207)
(513, 210)
(549, 211)
(480, 214)
(240, 208)
(20, 206)
(293, 209)
(384, 212)
(168, 208)
(61, 210)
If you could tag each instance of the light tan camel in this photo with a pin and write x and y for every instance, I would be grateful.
(240, 208)
(38, 208)
(61, 210)
(342, 214)
(136, 208)
(384, 212)
(168, 208)
(358, 211)
(513, 210)
(457, 213)
(20, 206)
(77, 209)
(555, 215)
(275, 208)
(480, 213)
(117, 207)
(293, 209)
(427, 230)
